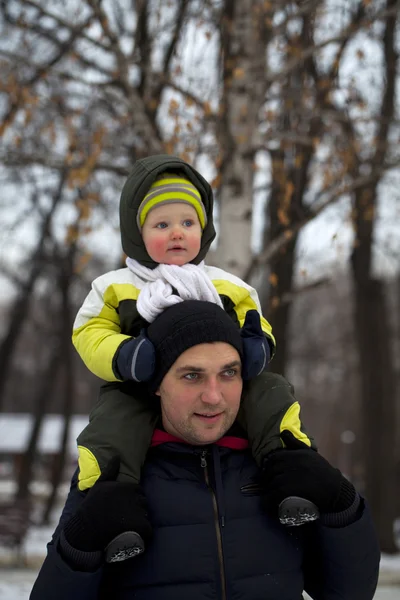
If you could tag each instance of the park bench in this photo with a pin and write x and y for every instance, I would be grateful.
(14, 524)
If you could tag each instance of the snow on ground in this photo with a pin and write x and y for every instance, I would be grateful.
(385, 593)
(391, 562)
(17, 584)
(34, 548)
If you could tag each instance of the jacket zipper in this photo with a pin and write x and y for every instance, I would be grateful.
(203, 463)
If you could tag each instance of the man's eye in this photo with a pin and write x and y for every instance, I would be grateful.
(230, 372)
(191, 376)
(161, 225)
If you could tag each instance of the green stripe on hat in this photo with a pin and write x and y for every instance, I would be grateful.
(168, 189)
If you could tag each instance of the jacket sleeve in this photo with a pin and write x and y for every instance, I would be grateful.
(56, 579)
(96, 332)
(244, 298)
(343, 563)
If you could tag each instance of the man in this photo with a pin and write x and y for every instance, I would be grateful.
(215, 531)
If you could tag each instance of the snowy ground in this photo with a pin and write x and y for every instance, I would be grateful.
(16, 585)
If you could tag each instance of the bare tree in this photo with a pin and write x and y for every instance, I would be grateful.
(39, 408)
(290, 163)
(245, 33)
(65, 273)
(373, 323)
(20, 308)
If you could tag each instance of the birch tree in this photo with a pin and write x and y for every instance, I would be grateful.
(245, 32)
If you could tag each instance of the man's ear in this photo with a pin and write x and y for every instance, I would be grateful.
(158, 393)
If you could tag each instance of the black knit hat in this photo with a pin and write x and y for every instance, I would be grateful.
(188, 324)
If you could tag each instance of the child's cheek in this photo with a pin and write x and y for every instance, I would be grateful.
(195, 240)
(156, 246)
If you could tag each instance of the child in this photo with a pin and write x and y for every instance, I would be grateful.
(166, 218)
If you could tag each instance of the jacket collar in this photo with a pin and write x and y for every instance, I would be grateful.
(228, 441)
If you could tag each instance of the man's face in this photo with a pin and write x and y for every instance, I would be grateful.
(172, 234)
(200, 394)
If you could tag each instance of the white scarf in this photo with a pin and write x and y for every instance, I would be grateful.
(190, 281)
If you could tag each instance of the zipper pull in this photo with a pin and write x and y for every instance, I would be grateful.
(203, 461)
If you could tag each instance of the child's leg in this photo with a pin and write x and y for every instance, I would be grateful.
(122, 423)
(268, 407)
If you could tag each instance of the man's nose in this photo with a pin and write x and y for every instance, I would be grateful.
(212, 393)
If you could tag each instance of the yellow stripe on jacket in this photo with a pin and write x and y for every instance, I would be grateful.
(96, 332)
(243, 301)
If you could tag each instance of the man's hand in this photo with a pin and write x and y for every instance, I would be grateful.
(137, 359)
(297, 470)
(256, 351)
(109, 509)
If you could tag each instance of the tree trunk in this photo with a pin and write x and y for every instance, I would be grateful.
(285, 208)
(20, 308)
(244, 36)
(373, 330)
(281, 212)
(377, 376)
(65, 280)
(58, 465)
(42, 399)
(373, 337)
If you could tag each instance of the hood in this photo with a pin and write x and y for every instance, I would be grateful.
(143, 174)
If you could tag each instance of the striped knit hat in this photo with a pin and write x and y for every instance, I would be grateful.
(167, 189)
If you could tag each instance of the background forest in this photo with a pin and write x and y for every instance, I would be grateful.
(291, 110)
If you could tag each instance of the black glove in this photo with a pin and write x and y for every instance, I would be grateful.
(136, 358)
(256, 351)
(297, 470)
(109, 509)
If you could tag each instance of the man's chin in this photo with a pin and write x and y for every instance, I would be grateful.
(209, 435)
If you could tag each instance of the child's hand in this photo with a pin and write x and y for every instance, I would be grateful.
(137, 359)
(256, 351)
(110, 508)
(298, 470)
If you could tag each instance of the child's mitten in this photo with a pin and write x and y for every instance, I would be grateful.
(136, 359)
(298, 470)
(109, 509)
(256, 351)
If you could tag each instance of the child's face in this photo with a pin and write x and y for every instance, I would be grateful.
(172, 234)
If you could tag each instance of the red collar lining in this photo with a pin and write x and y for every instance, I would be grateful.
(228, 441)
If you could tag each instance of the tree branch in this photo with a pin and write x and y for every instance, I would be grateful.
(23, 160)
(66, 24)
(63, 49)
(146, 128)
(330, 197)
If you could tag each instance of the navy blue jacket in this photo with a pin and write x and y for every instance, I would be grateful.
(213, 541)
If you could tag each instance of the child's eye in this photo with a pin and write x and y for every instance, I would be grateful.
(188, 222)
(161, 225)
